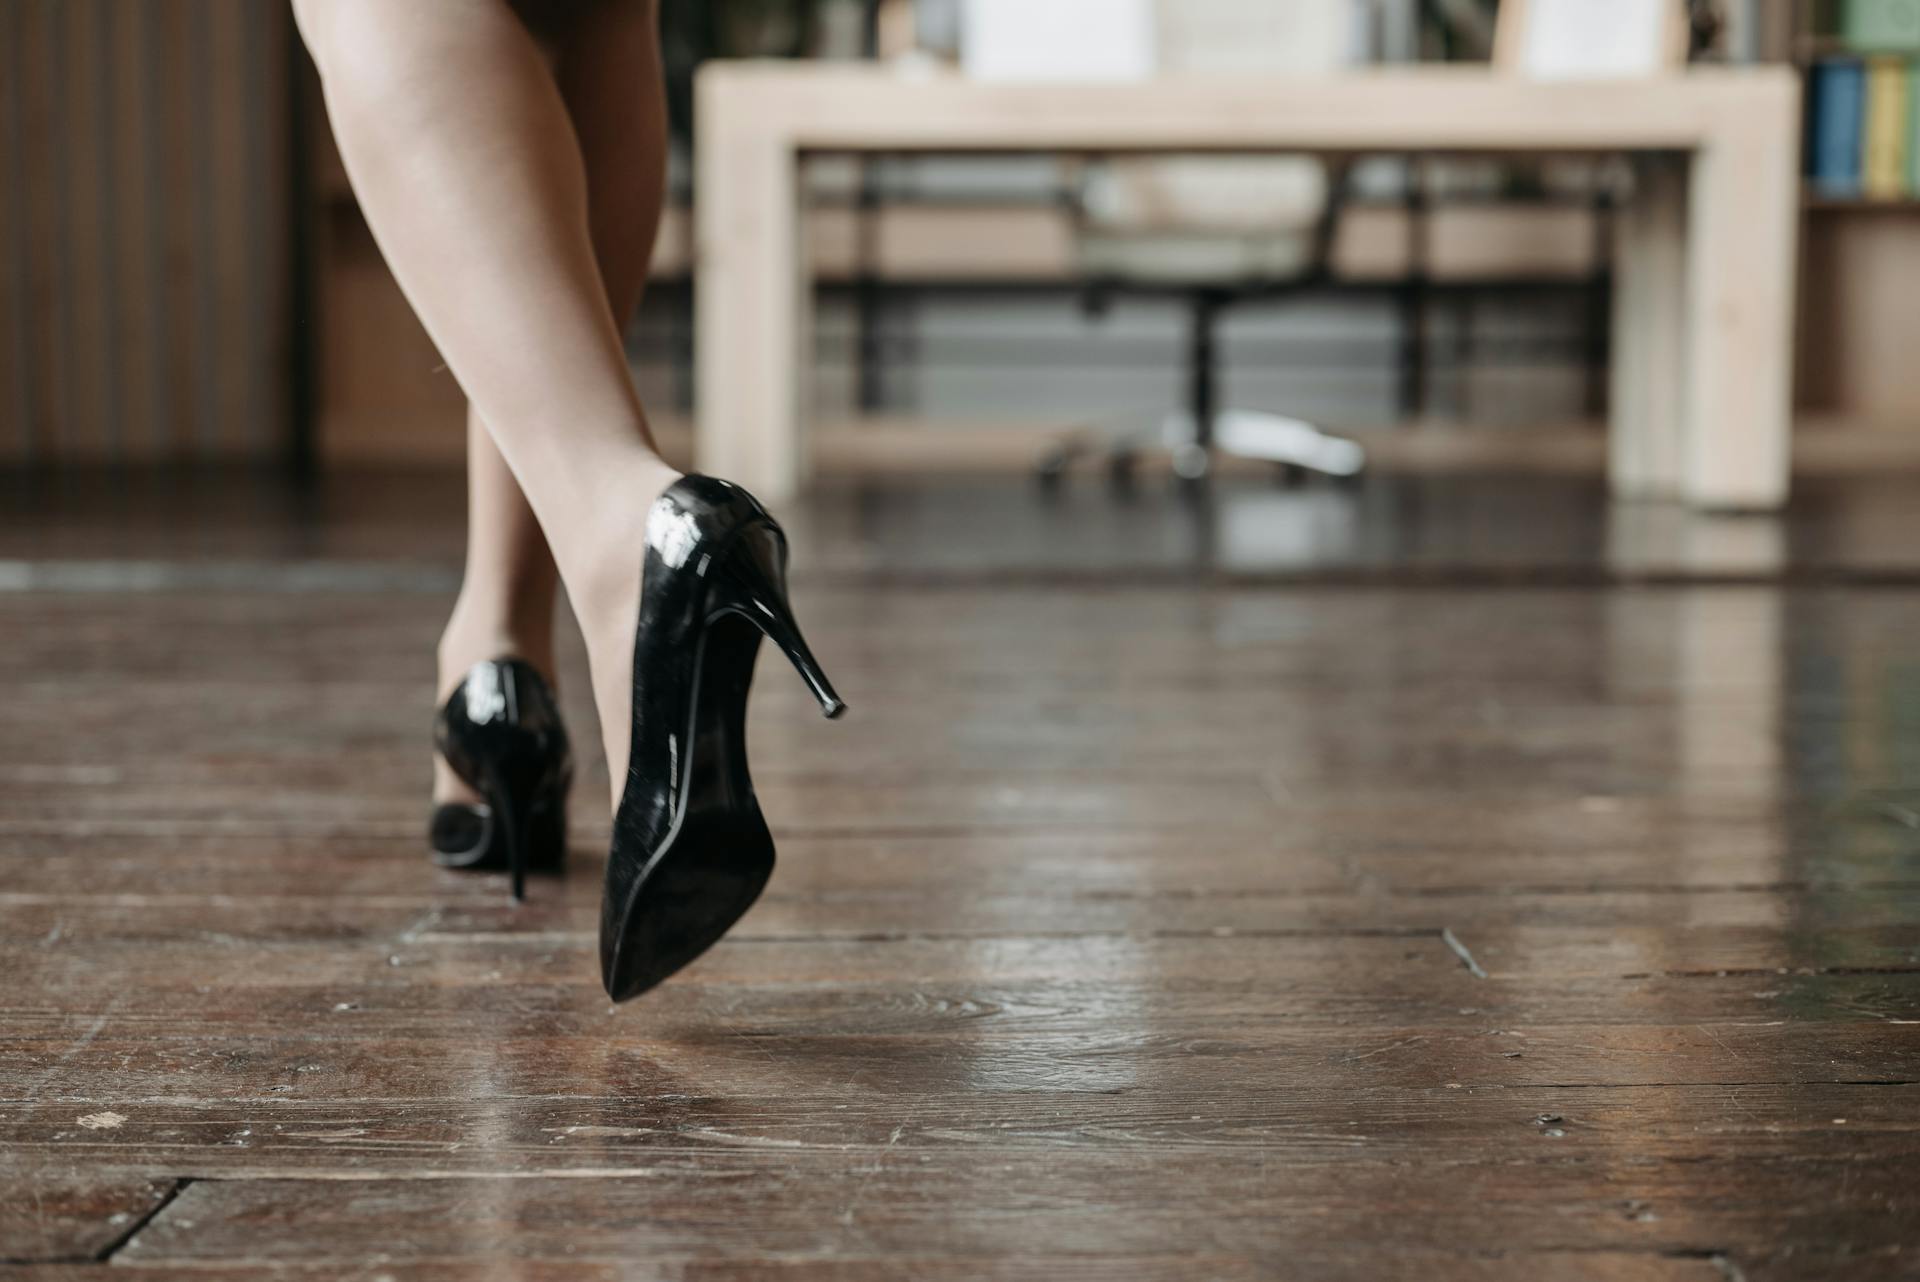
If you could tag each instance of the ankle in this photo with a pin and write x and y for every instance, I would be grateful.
(477, 631)
(602, 568)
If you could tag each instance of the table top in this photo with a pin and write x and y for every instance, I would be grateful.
(864, 106)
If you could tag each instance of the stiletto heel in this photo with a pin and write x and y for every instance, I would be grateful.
(691, 850)
(512, 822)
(754, 575)
(501, 731)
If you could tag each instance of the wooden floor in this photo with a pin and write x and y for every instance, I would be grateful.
(1124, 929)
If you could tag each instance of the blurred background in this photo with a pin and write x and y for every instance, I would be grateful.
(186, 281)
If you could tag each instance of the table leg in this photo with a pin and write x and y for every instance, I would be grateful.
(1743, 221)
(748, 301)
(1649, 366)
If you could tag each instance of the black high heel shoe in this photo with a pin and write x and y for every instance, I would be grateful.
(691, 850)
(501, 732)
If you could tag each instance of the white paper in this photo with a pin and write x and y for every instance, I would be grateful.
(1253, 36)
(1595, 39)
(1057, 40)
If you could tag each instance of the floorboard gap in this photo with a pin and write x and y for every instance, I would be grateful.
(107, 1252)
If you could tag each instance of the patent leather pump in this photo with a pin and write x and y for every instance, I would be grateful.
(501, 732)
(691, 851)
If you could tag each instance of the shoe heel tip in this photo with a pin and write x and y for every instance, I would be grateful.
(832, 709)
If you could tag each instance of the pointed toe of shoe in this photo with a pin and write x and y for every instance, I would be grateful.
(683, 907)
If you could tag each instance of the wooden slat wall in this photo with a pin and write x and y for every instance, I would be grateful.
(143, 230)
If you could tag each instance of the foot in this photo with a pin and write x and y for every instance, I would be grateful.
(474, 635)
(605, 595)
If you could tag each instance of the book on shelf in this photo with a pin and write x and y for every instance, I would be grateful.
(1913, 129)
(1838, 93)
(1888, 120)
(1873, 26)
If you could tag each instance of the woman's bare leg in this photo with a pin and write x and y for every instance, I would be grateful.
(470, 174)
(508, 592)
(608, 68)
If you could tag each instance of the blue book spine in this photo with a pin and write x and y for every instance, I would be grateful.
(1839, 100)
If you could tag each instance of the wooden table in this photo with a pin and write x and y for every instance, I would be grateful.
(1704, 287)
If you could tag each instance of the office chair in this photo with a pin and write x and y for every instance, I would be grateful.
(1221, 231)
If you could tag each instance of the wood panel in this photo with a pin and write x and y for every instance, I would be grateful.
(142, 228)
(1856, 313)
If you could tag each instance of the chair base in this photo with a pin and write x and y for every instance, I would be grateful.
(1293, 444)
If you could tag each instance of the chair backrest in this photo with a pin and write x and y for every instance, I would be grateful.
(1283, 195)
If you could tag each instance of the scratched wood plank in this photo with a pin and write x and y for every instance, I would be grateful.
(343, 1052)
(1837, 873)
(1645, 846)
(67, 1212)
(1527, 844)
(1332, 1264)
(742, 1204)
(1300, 731)
(1617, 933)
(380, 994)
(74, 946)
(868, 909)
(570, 1134)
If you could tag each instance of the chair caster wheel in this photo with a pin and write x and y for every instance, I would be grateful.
(1050, 474)
(1191, 463)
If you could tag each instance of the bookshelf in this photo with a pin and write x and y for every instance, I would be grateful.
(1861, 62)
(1858, 251)
(1815, 202)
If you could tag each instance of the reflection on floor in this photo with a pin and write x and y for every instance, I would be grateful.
(1389, 529)
(1129, 926)
(1396, 528)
